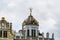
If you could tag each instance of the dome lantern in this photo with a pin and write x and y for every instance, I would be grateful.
(3, 18)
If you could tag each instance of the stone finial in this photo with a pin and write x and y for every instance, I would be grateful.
(3, 18)
(52, 35)
(30, 11)
(47, 35)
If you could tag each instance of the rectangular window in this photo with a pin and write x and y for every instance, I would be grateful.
(27, 32)
(34, 33)
(0, 33)
(5, 34)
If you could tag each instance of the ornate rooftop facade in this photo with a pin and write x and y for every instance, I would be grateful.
(30, 30)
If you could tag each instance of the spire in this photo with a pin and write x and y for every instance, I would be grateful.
(30, 11)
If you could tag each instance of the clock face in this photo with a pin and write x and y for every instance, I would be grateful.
(3, 24)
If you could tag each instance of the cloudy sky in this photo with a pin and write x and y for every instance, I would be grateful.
(47, 12)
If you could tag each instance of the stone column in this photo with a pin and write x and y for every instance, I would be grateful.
(36, 32)
(43, 35)
(30, 32)
(26, 34)
(20, 35)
